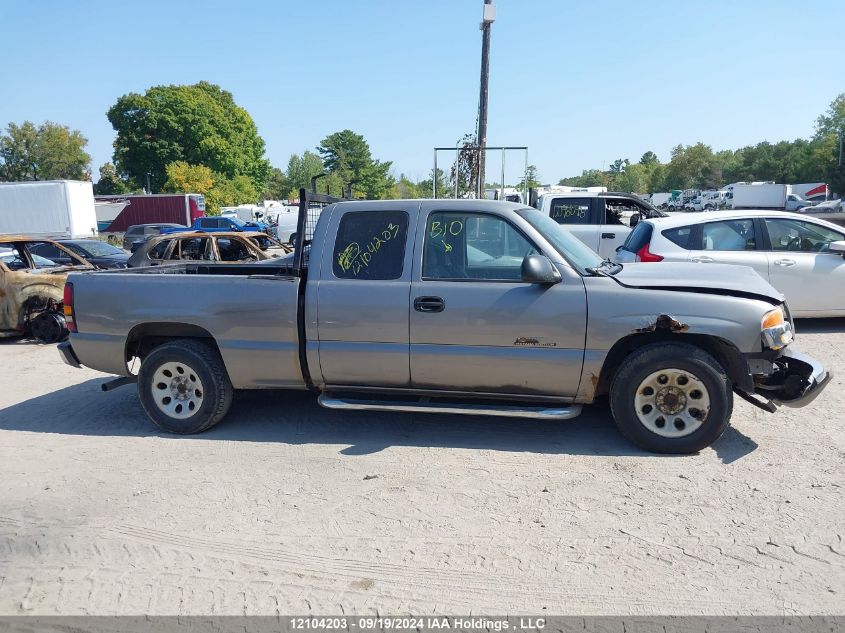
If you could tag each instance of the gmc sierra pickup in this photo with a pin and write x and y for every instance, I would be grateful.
(455, 306)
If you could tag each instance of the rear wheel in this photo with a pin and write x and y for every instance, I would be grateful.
(184, 387)
(671, 398)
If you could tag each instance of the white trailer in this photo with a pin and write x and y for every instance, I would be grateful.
(813, 191)
(48, 208)
(660, 200)
(766, 196)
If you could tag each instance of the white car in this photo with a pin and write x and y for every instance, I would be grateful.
(803, 257)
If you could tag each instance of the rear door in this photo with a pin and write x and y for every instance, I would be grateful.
(580, 216)
(801, 267)
(362, 295)
(475, 325)
(730, 241)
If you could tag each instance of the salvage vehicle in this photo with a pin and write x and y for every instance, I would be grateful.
(31, 288)
(100, 254)
(602, 220)
(202, 246)
(220, 223)
(137, 234)
(801, 256)
(447, 306)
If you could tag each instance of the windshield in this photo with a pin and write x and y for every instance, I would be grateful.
(93, 248)
(569, 246)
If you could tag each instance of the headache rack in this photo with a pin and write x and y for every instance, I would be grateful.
(311, 205)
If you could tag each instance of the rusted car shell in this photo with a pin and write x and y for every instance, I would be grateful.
(20, 289)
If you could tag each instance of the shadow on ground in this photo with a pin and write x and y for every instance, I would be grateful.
(295, 418)
(820, 326)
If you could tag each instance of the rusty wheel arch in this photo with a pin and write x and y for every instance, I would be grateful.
(729, 357)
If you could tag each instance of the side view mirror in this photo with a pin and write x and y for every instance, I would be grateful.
(834, 247)
(538, 269)
(635, 219)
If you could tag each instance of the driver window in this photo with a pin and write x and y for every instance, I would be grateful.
(798, 236)
(469, 246)
(620, 212)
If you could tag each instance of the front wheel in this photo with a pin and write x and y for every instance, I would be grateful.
(184, 388)
(671, 398)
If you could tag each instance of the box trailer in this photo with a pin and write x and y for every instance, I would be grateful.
(160, 208)
(48, 208)
(766, 196)
(813, 191)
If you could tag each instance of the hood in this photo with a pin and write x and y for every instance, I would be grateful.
(724, 279)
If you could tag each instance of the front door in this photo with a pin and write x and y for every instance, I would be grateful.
(800, 266)
(475, 326)
(362, 295)
(580, 216)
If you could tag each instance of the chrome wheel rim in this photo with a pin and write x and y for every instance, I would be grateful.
(672, 403)
(177, 390)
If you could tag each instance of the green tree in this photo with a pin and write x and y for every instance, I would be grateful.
(198, 124)
(277, 187)
(426, 187)
(649, 158)
(109, 183)
(530, 179)
(218, 190)
(405, 189)
(348, 155)
(48, 152)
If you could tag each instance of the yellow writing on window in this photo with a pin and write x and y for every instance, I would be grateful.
(354, 258)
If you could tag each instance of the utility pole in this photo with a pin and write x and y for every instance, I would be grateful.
(488, 17)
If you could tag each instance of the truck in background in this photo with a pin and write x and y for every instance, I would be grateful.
(766, 196)
(48, 208)
(813, 191)
(159, 208)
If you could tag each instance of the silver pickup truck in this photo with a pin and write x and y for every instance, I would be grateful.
(450, 306)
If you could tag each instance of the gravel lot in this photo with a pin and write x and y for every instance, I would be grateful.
(288, 508)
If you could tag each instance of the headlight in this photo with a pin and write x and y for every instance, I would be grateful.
(776, 330)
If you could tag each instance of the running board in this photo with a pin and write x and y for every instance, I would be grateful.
(422, 406)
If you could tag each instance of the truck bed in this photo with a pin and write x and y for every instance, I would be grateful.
(249, 310)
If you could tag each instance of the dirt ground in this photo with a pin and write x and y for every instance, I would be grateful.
(287, 508)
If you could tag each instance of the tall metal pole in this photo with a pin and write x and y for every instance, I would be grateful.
(488, 17)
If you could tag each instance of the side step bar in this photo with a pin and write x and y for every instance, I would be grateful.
(422, 406)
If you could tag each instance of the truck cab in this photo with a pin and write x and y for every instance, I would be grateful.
(602, 220)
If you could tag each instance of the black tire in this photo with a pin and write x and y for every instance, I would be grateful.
(658, 356)
(201, 358)
(292, 239)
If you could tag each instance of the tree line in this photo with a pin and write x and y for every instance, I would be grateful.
(698, 166)
(196, 138)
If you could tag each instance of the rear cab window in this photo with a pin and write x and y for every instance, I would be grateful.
(370, 245)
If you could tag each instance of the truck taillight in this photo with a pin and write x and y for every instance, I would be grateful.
(68, 308)
(645, 255)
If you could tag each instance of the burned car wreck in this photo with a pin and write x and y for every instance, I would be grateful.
(32, 288)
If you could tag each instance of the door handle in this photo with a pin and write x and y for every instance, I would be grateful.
(704, 259)
(608, 236)
(429, 304)
(785, 262)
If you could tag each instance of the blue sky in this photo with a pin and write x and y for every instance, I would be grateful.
(580, 82)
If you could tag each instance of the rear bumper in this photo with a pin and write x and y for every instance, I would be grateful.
(797, 380)
(68, 355)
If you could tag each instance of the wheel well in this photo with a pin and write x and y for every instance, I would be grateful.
(728, 356)
(146, 337)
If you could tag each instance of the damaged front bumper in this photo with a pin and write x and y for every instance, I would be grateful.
(795, 381)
